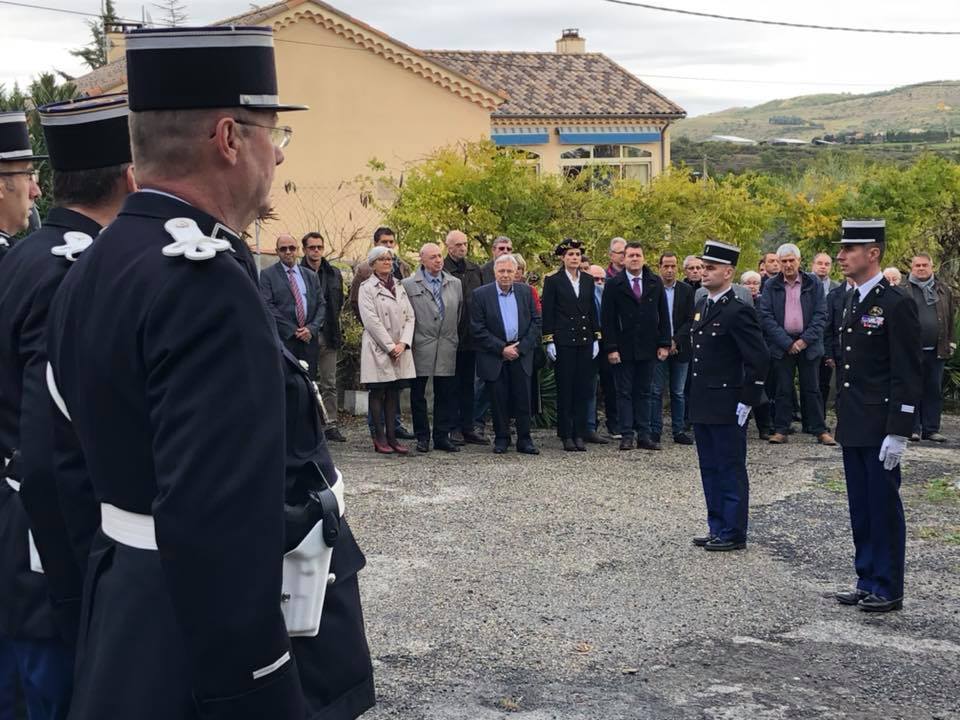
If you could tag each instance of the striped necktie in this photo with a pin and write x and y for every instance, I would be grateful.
(437, 287)
(297, 298)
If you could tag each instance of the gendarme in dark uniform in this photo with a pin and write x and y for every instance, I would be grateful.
(878, 390)
(89, 145)
(334, 665)
(571, 334)
(730, 361)
(18, 176)
(168, 363)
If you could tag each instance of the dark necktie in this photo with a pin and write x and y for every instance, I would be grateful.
(706, 308)
(637, 290)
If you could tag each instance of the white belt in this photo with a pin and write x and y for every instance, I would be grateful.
(128, 528)
(35, 564)
(138, 531)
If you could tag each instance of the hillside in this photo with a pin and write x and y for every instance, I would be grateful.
(929, 106)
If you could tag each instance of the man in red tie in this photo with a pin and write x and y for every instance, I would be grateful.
(292, 294)
(635, 326)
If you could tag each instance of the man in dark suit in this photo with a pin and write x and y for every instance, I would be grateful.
(878, 390)
(672, 372)
(328, 339)
(506, 329)
(635, 324)
(793, 313)
(729, 366)
(836, 301)
(820, 268)
(292, 294)
(468, 273)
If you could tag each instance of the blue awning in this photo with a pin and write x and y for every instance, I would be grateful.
(520, 135)
(612, 134)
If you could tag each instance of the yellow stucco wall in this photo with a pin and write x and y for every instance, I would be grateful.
(362, 106)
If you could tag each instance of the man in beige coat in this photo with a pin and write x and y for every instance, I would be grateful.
(437, 301)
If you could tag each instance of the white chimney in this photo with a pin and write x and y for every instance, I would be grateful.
(570, 42)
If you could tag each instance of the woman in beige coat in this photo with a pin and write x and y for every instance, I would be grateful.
(386, 362)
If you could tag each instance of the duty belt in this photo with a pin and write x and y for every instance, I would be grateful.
(138, 531)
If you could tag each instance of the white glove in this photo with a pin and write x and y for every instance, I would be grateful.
(552, 351)
(596, 349)
(892, 450)
(743, 413)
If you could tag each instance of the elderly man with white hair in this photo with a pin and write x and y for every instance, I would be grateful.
(436, 298)
(506, 326)
(793, 313)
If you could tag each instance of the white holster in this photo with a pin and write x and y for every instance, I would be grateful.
(35, 564)
(306, 574)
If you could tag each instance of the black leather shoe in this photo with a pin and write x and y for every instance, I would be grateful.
(875, 603)
(850, 597)
(568, 445)
(655, 437)
(527, 449)
(499, 448)
(596, 438)
(718, 545)
(334, 434)
(423, 446)
(445, 445)
(456, 437)
(764, 435)
(626, 443)
(683, 439)
(702, 541)
(647, 443)
(578, 445)
(471, 438)
(404, 434)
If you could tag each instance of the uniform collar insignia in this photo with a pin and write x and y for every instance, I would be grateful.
(190, 242)
(74, 243)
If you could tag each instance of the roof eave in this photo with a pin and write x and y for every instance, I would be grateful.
(591, 116)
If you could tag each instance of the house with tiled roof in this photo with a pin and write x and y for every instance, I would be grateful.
(372, 96)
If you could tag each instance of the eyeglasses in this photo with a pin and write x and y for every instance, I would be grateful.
(315, 247)
(34, 175)
(280, 135)
(291, 248)
(598, 280)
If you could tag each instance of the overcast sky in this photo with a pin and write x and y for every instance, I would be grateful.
(736, 63)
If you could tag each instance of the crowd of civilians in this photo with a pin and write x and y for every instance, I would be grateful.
(618, 335)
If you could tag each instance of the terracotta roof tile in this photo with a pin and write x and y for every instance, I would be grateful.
(551, 84)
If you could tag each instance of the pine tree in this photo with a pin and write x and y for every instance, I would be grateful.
(95, 54)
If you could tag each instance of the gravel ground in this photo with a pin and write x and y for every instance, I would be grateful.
(565, 586)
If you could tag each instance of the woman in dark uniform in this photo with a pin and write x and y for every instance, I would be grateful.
(571, 334)
(335, 668)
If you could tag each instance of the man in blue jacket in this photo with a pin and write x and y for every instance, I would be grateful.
(793, 313)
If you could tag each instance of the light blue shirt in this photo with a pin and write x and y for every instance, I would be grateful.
(300, 284)
(509, 313)
(669, 292)
(869, 285)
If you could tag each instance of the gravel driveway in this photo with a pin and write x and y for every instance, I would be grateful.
(565, 586)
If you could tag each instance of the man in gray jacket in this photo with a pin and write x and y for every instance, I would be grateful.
(437, 301)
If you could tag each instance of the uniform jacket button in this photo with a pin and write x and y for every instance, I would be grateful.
(331, 578)
(846, 384)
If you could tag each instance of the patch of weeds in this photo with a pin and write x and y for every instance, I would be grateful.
(949, 535)
(509, 704)
(942, 490)
(835, 482)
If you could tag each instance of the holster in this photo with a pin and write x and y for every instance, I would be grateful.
(306, 567)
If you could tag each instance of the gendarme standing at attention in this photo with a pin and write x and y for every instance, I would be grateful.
(165, 358)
